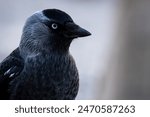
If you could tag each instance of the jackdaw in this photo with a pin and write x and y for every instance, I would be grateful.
(42, 66)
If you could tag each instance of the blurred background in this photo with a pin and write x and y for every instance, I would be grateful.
(113, 63)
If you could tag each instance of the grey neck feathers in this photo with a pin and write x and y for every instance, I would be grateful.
(37, 39)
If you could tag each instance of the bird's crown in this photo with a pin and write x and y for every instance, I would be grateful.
(57, 15)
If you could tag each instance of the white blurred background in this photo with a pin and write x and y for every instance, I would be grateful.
(113, 62)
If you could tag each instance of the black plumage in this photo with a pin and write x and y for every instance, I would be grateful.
(10, 68)
(42, 66)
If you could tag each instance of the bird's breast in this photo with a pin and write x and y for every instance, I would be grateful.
(50, 76)
(52, 66)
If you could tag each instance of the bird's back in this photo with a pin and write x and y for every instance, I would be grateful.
(10, 67)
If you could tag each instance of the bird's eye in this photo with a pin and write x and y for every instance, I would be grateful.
(54, 26)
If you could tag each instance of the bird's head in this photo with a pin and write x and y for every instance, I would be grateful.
(51, 28)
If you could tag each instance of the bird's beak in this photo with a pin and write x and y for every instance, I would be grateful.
(72, 30)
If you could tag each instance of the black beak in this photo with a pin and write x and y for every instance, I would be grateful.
(74, 31)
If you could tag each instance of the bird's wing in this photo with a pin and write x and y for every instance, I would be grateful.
(10, 67)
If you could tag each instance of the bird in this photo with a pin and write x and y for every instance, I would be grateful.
(42, 67)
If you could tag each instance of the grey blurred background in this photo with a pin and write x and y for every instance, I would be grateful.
(113, 63)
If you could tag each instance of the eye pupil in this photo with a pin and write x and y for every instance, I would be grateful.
(54, 26)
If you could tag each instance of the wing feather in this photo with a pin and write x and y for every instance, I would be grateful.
(10, 67)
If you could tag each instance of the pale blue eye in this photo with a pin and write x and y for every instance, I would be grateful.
(54, 26)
